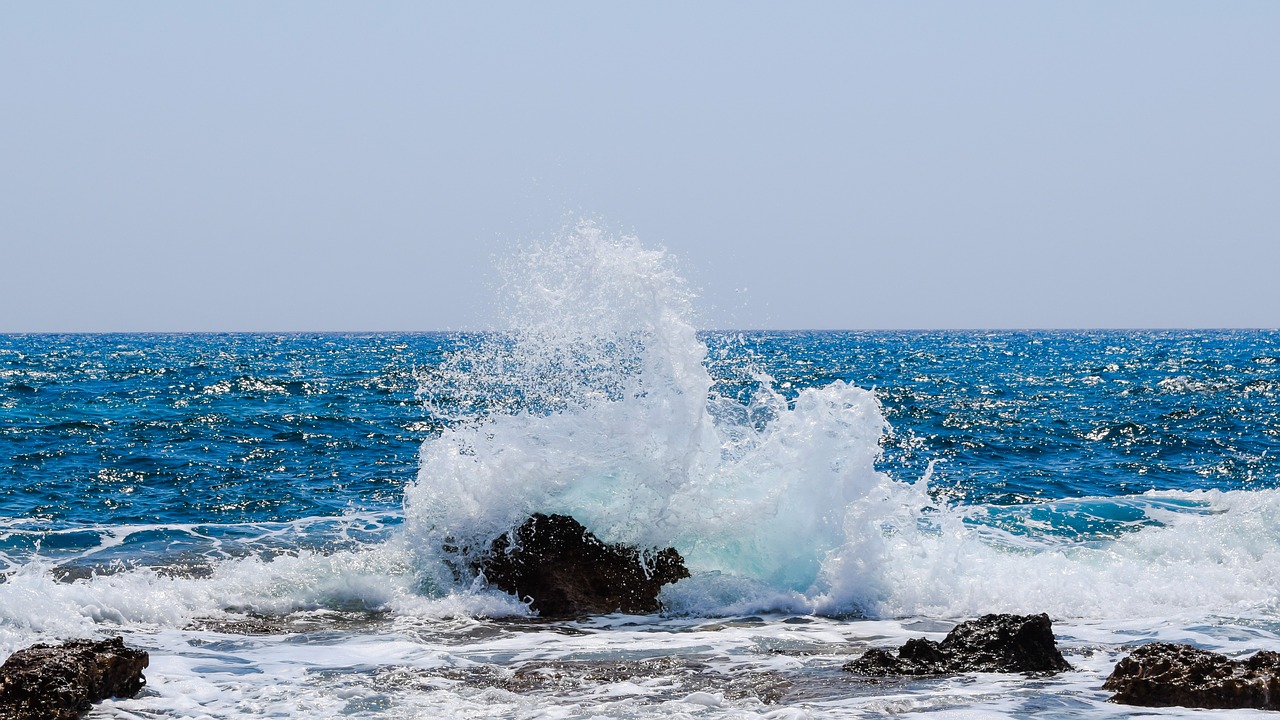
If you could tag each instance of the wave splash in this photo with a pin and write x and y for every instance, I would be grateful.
(597, 403)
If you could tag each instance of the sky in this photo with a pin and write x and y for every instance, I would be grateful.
(324, 166)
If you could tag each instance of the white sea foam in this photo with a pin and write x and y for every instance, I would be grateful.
(613, 421)
(678, 668)
(1217, 555)
(1214, 557)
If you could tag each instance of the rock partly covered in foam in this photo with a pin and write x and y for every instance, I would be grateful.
(992, 643)
(1164, 674)
(61, 682)
(568, 572)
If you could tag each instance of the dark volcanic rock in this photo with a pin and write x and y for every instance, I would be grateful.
(992, 643)
(1006, 643)
(1163, 674)
(60, 682)
(569, 572)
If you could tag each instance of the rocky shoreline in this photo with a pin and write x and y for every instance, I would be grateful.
(564, 571)
(59, 682)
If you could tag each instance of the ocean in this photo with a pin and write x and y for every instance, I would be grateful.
(268, 514)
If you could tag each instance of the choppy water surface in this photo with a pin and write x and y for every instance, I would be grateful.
(265, 513)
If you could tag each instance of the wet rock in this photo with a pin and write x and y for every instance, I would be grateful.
(61, 682)
(1164, 674)
(569, 572)
(992, 643)
(1006, 643)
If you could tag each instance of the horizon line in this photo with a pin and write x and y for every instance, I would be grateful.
(4, 333)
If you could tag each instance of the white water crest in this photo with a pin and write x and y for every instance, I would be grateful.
(598, 404)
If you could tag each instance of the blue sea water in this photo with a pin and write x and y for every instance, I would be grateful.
(263, 512)
(242, 429)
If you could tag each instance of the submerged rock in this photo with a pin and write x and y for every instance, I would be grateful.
(61, 682)
(568, 572)
(1164, 674)
(992, 643)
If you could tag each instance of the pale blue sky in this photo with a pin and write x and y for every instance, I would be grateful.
(354, 166)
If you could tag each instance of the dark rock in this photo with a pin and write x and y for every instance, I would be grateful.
(1006, 643)
(1164, 674)
(61, 682)
(992, 643)
(569, 572)
(878, 662)
(922, 655)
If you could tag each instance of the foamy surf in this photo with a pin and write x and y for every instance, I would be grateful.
(610, 417)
